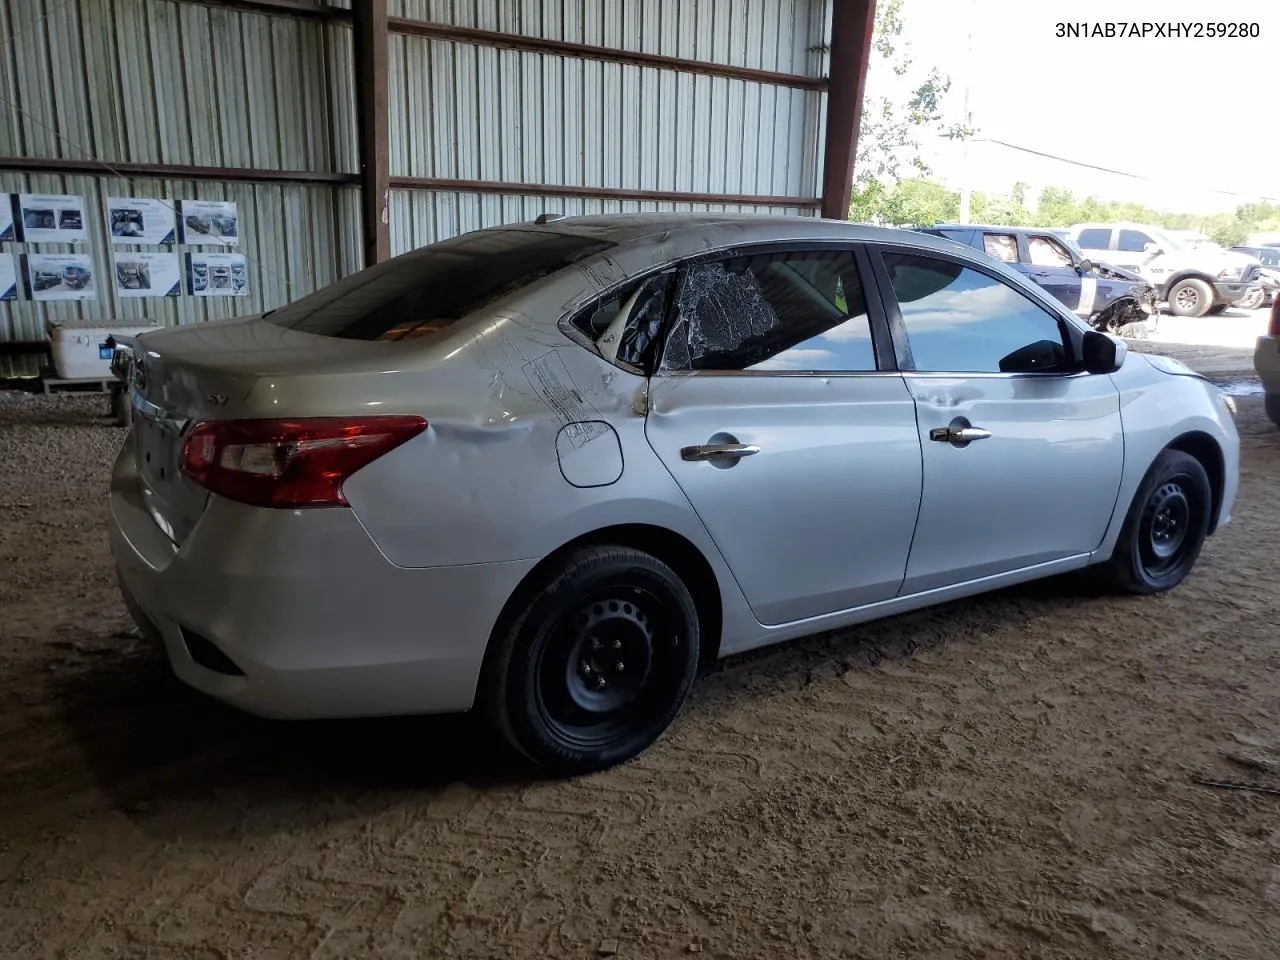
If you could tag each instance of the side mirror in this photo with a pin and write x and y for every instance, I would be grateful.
(1152, 249)
(1103, 353)
(1043, 356)
(1085, 266)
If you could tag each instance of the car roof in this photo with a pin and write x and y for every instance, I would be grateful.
(626, 229)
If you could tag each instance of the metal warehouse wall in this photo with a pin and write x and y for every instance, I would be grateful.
(469, 111)
(160, 82)
(481, 131)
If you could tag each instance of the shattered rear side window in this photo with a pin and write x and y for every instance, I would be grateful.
(427, 290)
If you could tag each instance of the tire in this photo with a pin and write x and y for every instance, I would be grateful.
(1190, 298)
(554, 689)
(1253, 300)
(1165, 528)
(1273, 408)
(1216, 309)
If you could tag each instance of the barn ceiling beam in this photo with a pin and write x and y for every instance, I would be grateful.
(852, 22)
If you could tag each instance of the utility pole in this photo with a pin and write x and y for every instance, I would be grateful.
(966, 192)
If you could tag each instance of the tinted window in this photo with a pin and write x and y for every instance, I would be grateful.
(791, 311)
(424, 291)
(1047, 252)
(1132, 241)
(959, 320)
(1002, 246)
(1095, 239)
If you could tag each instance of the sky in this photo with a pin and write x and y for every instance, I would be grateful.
(1194, 115)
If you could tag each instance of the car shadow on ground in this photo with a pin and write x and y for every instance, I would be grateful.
(152, 745)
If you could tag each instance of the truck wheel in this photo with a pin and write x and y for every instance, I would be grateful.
(1273, 408)
(1252, 300)
(1190, 298)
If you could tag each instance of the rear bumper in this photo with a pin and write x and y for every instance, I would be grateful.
(315, 620)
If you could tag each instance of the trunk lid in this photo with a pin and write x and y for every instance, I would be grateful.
(181, 376)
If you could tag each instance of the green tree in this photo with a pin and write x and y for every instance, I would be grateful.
(889, 135)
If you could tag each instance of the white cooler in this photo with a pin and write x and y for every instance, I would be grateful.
(81, 353)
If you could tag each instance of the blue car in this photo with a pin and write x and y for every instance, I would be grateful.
(1108, 297)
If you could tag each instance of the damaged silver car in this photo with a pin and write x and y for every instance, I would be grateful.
(549, 469)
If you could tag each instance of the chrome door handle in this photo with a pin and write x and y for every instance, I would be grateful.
(961, 436)
(719, 451)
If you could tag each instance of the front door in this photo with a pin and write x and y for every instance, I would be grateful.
(1051, 266)
(796, 448)
(1022, 454)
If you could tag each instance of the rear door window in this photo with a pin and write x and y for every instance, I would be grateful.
(1002, 246)
(1094, 239)
(427, 290)
(801, 311)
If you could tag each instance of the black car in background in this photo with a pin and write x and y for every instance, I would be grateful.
(1108, 297)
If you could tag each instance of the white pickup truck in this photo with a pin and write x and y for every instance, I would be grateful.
(1194, 280)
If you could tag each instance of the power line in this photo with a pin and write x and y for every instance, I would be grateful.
(1110, 170)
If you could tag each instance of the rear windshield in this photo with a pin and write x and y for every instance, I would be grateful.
(426, 290)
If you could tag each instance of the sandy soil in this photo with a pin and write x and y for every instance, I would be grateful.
(1008, 776)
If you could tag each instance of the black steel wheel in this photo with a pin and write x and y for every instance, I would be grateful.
(598, 662)
(1165, 528)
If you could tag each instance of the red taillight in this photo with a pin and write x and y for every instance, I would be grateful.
(289, 463)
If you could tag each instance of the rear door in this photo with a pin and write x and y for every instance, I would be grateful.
(777, 409)
(1022, 454)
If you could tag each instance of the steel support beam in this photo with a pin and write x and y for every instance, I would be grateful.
(369, 22)
(852, 22)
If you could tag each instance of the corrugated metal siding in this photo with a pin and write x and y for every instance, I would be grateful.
(419, 217)
(154, 81)
(295, 239)
(565, 120)
(766, 34)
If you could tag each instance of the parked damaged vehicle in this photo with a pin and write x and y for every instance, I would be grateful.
(1194, 279)
(546, 470)
(1268, 281)
(1110, 298)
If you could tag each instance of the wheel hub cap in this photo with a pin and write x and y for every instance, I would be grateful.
(611, 657)
(1170, 515)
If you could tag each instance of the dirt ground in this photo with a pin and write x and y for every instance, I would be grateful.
(1007, 776)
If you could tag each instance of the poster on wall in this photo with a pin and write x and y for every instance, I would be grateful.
(52, 218)
(212, 223)
(60, 276)
(8, 278)
(147, 275)
(139, 220)
(217, 275)
(7, 204)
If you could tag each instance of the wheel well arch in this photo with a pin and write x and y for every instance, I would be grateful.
(673, 549)
(1177, 278)
(1205, 449)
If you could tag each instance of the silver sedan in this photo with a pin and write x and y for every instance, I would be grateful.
(546, 470)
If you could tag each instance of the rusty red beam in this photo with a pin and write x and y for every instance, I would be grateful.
(852, 23)
(509, 41)
(369, 24)
(595, 193)
(172, 171)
